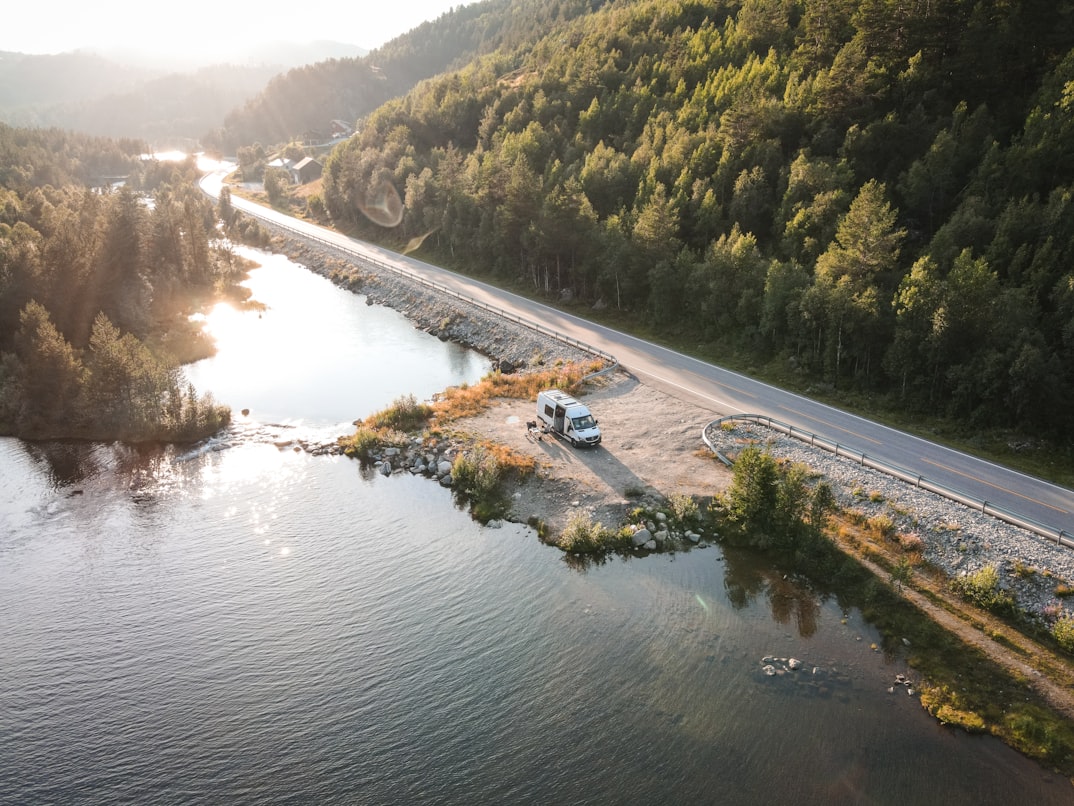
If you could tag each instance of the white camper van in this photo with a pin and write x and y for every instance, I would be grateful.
(565, 417)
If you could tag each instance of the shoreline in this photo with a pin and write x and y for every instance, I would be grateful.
(954, 537)
(645, 458)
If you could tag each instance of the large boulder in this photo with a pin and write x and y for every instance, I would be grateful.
(641, 537)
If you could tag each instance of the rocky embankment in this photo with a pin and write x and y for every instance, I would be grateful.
(510, 345)
(951, 537)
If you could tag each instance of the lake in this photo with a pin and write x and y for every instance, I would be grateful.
(242, 622)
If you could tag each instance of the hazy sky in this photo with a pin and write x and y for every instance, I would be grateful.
(40, 26)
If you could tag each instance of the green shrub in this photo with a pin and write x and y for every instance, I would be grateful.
(684, 510)
(902, 573)
(768, 500)
(365, 441)
(477, 477)
(982, 589)
(822, 503)
(476, 473)
(1063, 632)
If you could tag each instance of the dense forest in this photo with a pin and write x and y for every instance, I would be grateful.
(877, 193)
(95, 285)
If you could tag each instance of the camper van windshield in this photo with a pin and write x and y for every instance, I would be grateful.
(583, 422)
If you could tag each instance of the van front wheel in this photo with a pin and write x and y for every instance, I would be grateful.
(574, 442)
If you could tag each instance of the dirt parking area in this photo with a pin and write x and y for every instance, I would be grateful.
(651, 448)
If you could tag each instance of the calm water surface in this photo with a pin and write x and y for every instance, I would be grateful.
(249, 624)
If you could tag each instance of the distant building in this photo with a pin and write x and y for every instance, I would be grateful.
(340, 128)
(307, 170)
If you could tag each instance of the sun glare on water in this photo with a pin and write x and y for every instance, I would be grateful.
(226, 325)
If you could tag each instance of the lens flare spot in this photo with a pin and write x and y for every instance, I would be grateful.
(383, 205)
(416, 242)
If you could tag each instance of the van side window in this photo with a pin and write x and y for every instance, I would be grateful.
(549, 411)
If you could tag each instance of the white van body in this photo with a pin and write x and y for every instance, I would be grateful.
(565, 417)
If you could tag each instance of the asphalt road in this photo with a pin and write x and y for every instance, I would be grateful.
(727, 392)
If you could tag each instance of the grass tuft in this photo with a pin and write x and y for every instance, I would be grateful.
(585, 536)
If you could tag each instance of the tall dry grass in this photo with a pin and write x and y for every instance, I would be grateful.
(468, 401)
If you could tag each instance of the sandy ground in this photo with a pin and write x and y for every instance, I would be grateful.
(651, 449)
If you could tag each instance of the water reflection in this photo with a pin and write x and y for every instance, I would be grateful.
(68, 464)
(750, 576)
(317, 354)
(64, 463)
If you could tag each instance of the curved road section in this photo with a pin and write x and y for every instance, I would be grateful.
(1049, 505)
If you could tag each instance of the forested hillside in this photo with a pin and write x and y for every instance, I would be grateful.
(878, 192)
(94, 289)
(307, 98)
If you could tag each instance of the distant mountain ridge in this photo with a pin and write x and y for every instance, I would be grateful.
(284, 55)
(131, 94)
(28, 80)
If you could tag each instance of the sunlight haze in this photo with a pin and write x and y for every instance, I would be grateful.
(197, 27)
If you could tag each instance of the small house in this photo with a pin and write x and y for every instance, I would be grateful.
(306, 170)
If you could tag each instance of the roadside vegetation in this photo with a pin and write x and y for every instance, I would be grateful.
(772, 507)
